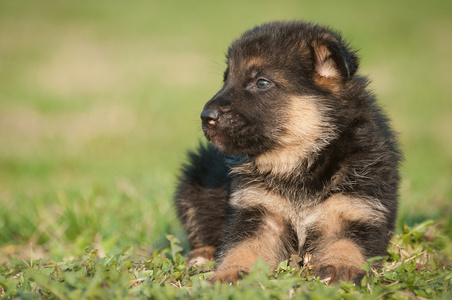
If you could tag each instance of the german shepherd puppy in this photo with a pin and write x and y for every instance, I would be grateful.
(303, 160)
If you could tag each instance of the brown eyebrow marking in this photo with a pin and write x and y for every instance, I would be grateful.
(253, 73)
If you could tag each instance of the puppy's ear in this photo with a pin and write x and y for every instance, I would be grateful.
(334, 63)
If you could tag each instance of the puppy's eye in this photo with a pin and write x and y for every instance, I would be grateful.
(263, 84)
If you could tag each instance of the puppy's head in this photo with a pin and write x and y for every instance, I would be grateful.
(279, 89)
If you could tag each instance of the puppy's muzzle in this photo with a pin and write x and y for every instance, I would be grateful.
(209, 117)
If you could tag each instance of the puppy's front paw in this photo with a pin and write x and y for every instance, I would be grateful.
(228, 275)
(333, 273)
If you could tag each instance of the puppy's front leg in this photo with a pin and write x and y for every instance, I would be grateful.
(251, 234)
(351, 230)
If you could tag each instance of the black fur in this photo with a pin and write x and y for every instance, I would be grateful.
(203, 193)
(354, 154)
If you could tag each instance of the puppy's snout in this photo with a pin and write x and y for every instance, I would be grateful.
(209, 117)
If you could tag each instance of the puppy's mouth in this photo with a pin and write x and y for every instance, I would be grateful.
(212, 133)
(209, 133)
(224, 129)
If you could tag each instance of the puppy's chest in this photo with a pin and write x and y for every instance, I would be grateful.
(301, 216)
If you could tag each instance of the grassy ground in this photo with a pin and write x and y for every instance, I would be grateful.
(100, 99)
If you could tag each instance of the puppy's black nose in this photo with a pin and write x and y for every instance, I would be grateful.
(209, 117)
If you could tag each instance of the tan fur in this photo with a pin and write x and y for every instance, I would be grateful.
(326, 74)
(337, 208)
(254, 196)
(254, 62)
(340, 260)
(201, 256)
(342, 257)
(306, 133)
(327, 216)
(241, 258)
(342, 250)
(277, 206)
(325, 66)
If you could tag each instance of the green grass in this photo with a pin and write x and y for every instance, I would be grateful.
(412, 269)
(99, 101)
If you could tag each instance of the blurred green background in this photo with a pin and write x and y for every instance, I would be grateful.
(99, 101)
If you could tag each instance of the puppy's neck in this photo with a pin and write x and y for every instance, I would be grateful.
(283, 161)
